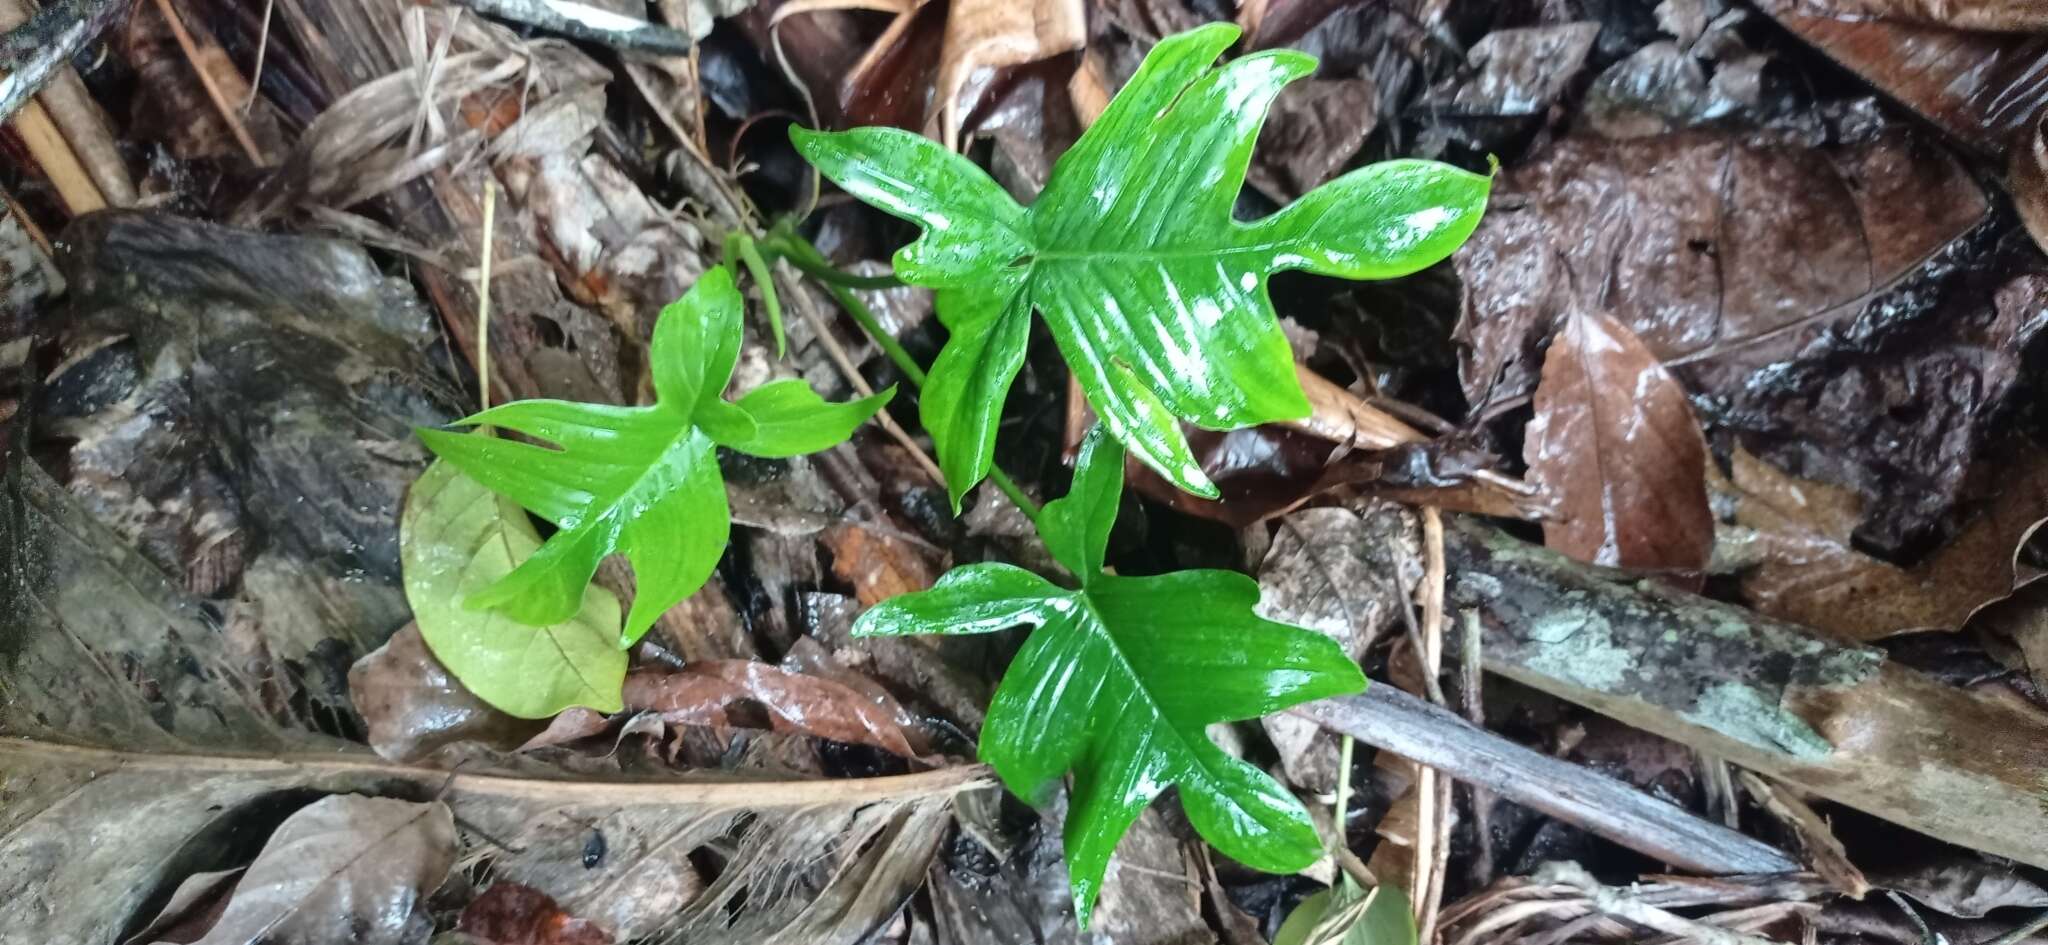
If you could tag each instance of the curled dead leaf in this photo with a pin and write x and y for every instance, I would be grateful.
(1809, 570)
(709, 692)
(1000, 33)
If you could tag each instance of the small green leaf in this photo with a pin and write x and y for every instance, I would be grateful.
(1343, 915)
(639, 481)
(1076, 526)
(1155, 295)
(457, 537)
(963, 395)
(790, 419)
(1121, 678)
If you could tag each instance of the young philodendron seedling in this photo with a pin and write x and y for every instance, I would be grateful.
(642, 481)
(1154, 294)
(1121, 677)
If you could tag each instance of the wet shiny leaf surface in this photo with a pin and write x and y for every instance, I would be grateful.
(1615, 441)
(1119, 679)
(1154, 294)
(641, 481)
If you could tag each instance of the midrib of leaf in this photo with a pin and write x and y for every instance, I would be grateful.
(1138, 686)
(504, 538)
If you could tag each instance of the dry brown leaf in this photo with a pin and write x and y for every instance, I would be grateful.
(2026, 177)
(999, 33)
(1811, 573)
(707, 693)
(1615, 441)
(346, 868)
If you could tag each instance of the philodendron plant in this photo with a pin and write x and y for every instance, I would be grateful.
(1120, 679)
(1155, 295)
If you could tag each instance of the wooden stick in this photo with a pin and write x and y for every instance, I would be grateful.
(75, 188)
(1395, 721)
(34, 51)
(1834, 719)
(83, 126)
(227, 111)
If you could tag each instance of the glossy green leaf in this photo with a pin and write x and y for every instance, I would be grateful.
(457, 537)
(1345, 914)
(790, 419)
(640, 481)
(1155, 295)
(1120, 679)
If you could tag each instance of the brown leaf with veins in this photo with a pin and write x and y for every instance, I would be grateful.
(1812, 574)
(1615, 441)
(1982, 87)
(999, 33)
(713, 692)
(346, 868)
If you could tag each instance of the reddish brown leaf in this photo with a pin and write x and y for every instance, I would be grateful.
(1810, 572)
(1615, 441)
(707, 693)
(516, 914)
(414, 706)
(878, 564)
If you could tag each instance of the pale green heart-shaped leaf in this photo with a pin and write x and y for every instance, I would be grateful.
(639, 481)
(1344, 914)
(1155, 295)
(457, 537)
(1121, 678)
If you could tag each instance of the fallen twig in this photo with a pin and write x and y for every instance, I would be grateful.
(1835, 719)
(1395, 721)
(33, 52)
(588, 23)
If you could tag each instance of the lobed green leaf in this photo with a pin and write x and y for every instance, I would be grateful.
(1121, 679)
(1154, 294)
(640, 481)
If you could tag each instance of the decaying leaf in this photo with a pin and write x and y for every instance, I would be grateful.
(1809, 571)
(1781, 286)
(1339, 573)
(995, 33)
(518, 914)
(413, 706)
(346, 868)
(1314, 129)
(1615, 441)
(1982, 87)
(1518, 72)
(1965, 886)
(704, 693)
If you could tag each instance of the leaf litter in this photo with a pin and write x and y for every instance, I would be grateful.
(207, 527)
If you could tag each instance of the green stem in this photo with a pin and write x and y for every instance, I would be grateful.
(739, 244)
(785, 243)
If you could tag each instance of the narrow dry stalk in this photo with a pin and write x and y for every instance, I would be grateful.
(213, 91)
(262, 47)
(1433, 853)
(840, 359)
(735, 794)
(28, 225)
(483, 297)
(71, 108)
(46, 145)
(1823, 851)
(1620, 904)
